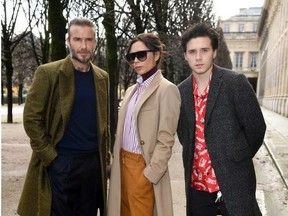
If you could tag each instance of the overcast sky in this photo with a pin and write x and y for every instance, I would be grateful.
(228, 8)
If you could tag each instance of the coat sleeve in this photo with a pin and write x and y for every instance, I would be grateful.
(249, 113)
(34, 118)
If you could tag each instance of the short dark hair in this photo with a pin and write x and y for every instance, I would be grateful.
(151, 41)
(200, 30)
(80, 21)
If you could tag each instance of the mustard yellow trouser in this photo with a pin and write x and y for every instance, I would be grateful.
(137, 195)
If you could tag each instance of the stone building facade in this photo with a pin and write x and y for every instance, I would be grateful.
(257, 39)
(273, 44)
(240, 33)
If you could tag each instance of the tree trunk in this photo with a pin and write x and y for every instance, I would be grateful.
(57, 28)
(20, 94)
(9, 73)
(111, 60)
(2, 93)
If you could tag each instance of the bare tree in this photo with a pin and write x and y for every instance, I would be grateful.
(137, 15)
(24, 64)
(9, 43)
(36, 13)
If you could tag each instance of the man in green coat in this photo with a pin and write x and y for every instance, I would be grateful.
(66, 117)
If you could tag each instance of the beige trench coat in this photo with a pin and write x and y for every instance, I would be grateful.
(156, 115)
(46, 114)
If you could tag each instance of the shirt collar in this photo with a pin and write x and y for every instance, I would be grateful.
(195, 87)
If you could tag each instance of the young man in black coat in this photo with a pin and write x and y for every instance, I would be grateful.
(221, 127)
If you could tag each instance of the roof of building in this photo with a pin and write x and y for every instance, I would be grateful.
(252, 11)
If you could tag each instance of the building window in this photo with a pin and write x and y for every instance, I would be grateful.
(254, 27)
(241, 27)
(226, 28)
(253, 60)
(239, 60)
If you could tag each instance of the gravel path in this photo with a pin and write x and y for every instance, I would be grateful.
(15, 156)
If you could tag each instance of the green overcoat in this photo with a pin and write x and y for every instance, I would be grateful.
(46, 114)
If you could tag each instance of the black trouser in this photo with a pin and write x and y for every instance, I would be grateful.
(203, 204)
(76, 185)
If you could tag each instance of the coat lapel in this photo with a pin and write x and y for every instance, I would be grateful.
(101, 91)
(188, 100)
(215, 85)
(129, 93)
(151, 88)
(66, 88)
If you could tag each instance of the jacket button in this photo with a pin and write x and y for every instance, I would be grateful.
(142, 142)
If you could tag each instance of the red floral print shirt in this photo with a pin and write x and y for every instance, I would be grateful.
(203, 175)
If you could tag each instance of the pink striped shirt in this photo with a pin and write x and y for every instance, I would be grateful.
(130, 141)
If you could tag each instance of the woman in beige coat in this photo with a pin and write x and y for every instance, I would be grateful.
(140, 182)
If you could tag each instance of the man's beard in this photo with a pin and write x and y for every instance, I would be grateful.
(74, 56)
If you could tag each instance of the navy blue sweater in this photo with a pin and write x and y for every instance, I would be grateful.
(81, 132)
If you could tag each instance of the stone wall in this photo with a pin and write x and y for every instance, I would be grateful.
(273, 42)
